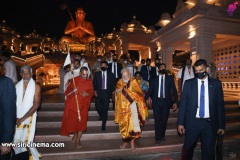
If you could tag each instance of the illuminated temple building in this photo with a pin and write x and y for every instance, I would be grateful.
(200, 28)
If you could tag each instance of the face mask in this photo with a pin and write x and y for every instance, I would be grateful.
(99, 60)
(125, 62)
(163, 71)
(103, 68)
(201, 75)
(114, 60)
(83, 59)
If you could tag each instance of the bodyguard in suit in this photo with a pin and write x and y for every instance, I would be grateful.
(103, 86)
(161, 90)
(201, 113)
(147, 71)
(7, 115)
(115, 68)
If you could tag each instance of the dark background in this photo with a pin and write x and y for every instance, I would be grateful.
(46, 17)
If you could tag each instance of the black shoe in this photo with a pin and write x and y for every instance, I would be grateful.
(157, 143)
(163, 139)
(103, 127)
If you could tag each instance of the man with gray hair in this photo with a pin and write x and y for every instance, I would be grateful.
(129, 108)
(28, 101)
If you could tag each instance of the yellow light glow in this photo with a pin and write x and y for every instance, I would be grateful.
(192, 31)
(190, 2)
(165, 22)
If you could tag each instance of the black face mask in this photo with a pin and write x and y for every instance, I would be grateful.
(201, 75)
(157, 65)
(114, 60)
(163, 71)
(103, 68)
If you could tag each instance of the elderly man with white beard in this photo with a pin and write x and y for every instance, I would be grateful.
(28, 101)
(129, 108)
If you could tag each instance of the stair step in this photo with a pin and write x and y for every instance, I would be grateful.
(102, 149)
(112, 131)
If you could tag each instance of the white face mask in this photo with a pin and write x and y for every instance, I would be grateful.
(125, 62)
(99, 60)
(83, 59)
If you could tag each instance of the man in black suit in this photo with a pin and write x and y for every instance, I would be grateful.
(147, 71)
(103, 86)
(155, 69)
(7, 115)
(115, 68)
(161, 90)
(201, 113)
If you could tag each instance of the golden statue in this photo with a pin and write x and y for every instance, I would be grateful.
(81, 31)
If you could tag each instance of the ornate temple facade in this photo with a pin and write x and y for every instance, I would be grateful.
(27, 44)
(132, 36)
(206, 30)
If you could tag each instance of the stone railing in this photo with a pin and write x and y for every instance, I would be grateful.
(27, 61)
(233, 85)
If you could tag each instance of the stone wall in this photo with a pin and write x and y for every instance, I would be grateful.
(227, 61)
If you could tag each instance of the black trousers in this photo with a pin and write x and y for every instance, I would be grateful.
(5, 157)
(161, 114)
(102, 105)
(207, 137)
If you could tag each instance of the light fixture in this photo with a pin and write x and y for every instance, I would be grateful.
(192, 31)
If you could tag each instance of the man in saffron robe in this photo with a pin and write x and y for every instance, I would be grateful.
(83, 90)
(129, 108)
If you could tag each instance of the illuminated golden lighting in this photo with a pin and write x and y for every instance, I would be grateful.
(130, 29)
(165, 22)
(192, 31)
(190, 2)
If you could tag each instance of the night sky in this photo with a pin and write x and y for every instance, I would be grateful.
(46, 17)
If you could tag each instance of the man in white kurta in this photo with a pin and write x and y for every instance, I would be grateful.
(28, 101)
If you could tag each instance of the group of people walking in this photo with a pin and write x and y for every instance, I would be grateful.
(201, 107)
(200, 115)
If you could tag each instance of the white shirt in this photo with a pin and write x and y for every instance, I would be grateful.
(157, 71)
(159, 86)
(206, 100)
(114, 63)
(148, 69)
(188, 74)
(105, 72)
(10, 70)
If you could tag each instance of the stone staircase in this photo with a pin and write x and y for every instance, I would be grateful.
(98, 144)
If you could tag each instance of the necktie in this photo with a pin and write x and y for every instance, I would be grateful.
(148, 72)
(202, 101)
(161, 88)
(114, 70)
(103, 80)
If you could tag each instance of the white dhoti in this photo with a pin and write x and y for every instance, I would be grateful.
(135, 120)
(26, 131)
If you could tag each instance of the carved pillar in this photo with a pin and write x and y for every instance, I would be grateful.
(125, 43)
(118, 47)
(201, 46)
(62, 73)
(153, 53)
(167, 53)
